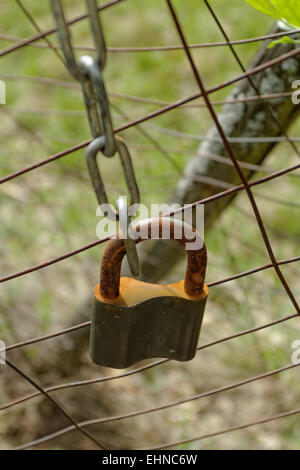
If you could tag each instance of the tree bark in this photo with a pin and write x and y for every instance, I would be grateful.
(238, 120)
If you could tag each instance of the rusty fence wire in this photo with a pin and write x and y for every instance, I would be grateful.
(245, 186)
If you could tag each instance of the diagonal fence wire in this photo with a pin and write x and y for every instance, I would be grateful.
(155, 409)
(31, 40)
(36, 26)
(130, 372)
(232, 156)
(227, 430)
(156, 113)
(43, 34)
(252, 84)
(207, 200)
(138, 99)
(99, 444)
(244, 186)
(140, 129)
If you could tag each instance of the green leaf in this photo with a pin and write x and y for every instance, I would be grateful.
(290, 11)
(283, 40)
(287, 11)
(265, 6)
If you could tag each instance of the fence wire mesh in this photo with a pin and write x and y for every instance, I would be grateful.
(246, 186)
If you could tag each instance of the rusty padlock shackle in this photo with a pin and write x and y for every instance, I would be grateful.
(115, 251)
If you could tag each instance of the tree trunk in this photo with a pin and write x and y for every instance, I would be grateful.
(238, 120)
(249, 119)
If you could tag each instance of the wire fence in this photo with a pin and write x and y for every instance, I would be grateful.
(245, 186)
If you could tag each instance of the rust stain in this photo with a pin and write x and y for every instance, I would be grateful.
(115, 252)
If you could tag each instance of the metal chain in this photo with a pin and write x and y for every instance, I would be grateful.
(89, 72)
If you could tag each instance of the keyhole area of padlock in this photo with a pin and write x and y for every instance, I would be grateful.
(133, 291)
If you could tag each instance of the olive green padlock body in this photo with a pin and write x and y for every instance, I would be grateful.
(165, 326)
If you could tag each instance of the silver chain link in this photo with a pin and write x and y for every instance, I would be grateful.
(89, 72)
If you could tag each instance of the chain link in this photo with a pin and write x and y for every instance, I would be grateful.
(124, 219)
(89, 72)
(98, 145)
(91, 69)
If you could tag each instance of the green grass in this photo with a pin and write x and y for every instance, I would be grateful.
(52, 210)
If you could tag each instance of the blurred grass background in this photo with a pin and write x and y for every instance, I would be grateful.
(52, 210)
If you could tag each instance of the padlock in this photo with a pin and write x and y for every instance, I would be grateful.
(134, 320)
